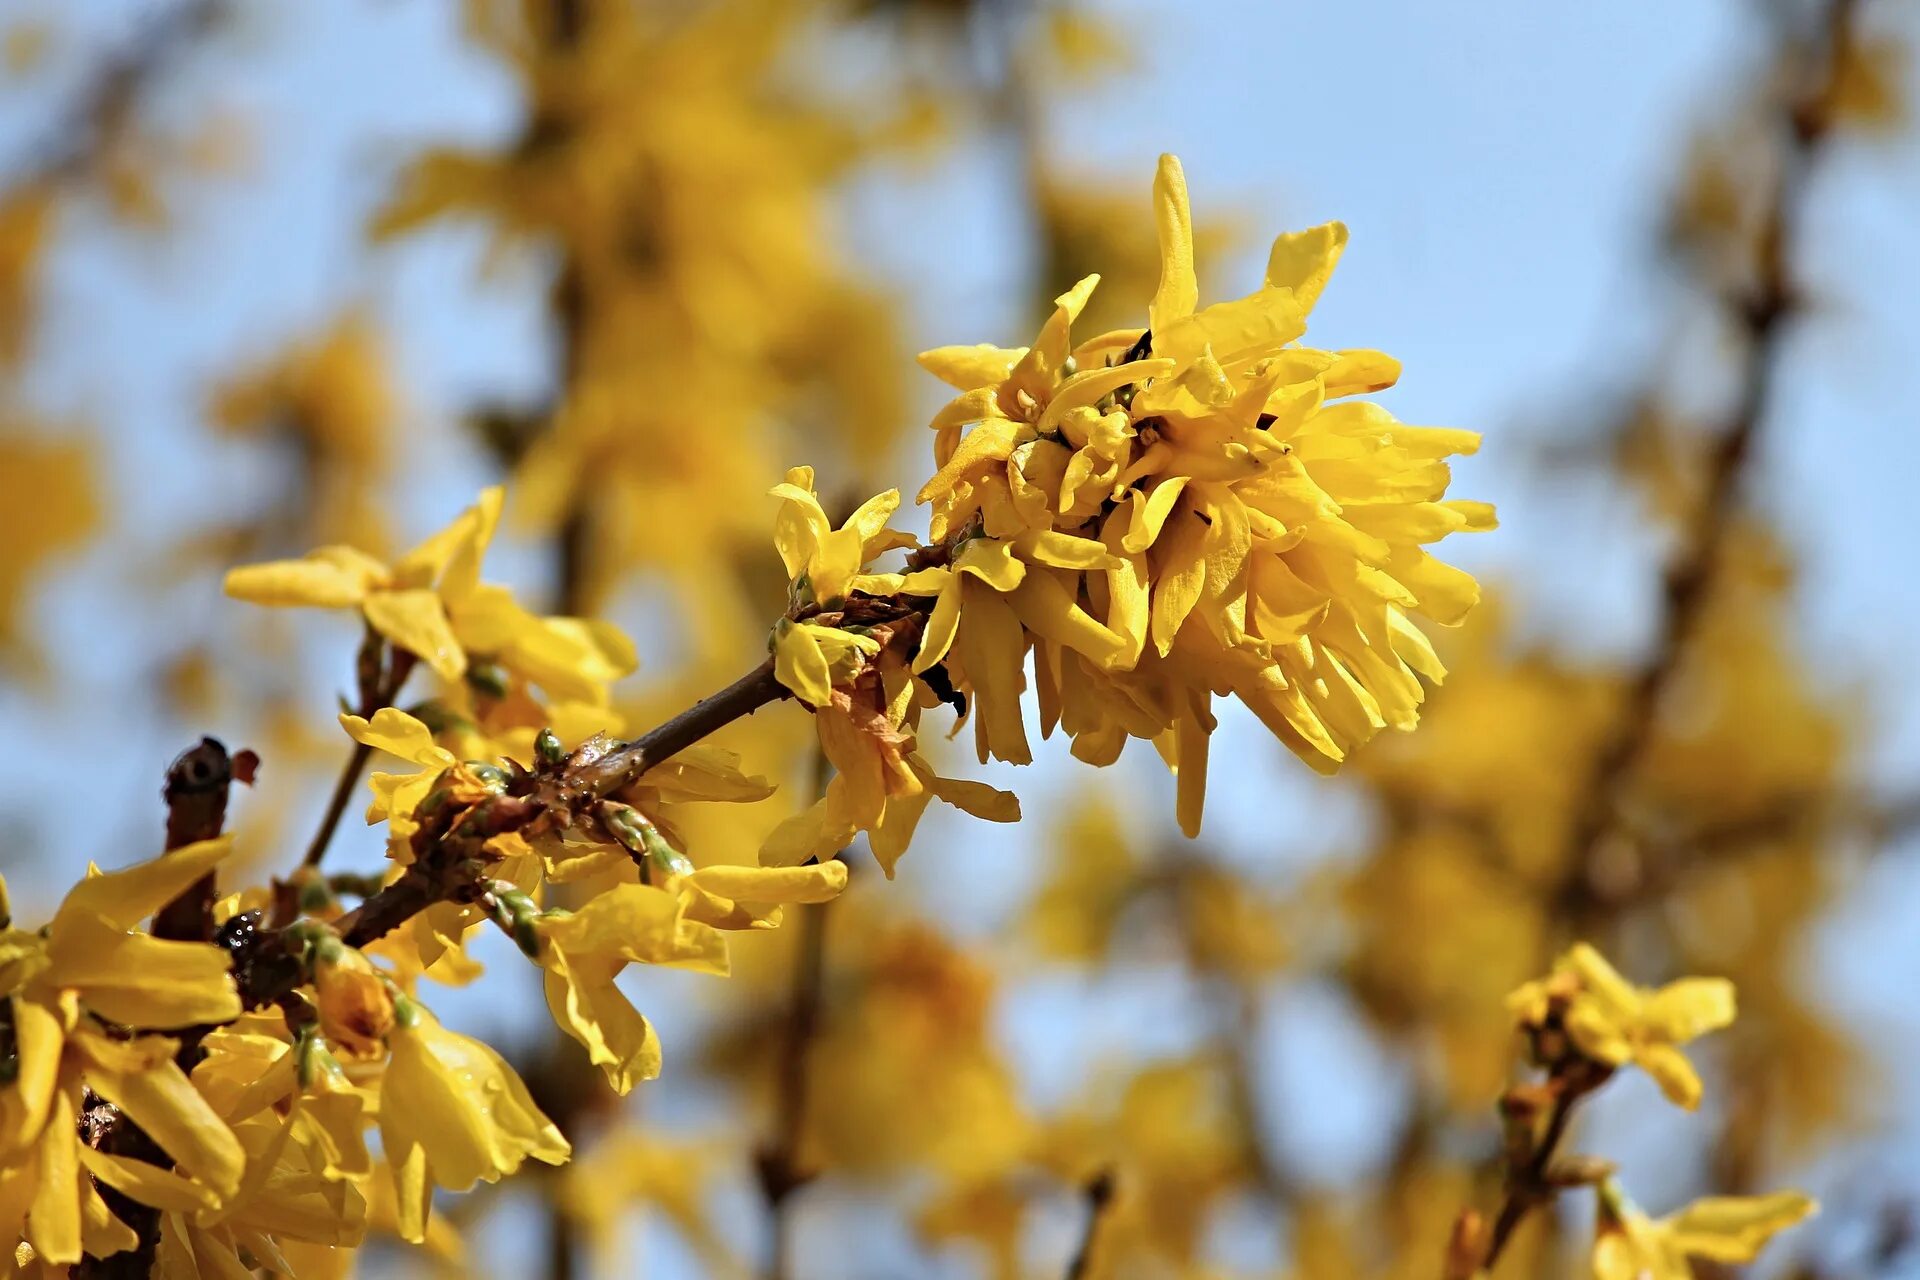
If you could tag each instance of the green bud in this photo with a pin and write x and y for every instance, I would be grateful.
(490, 776)
(315, 896)
(488, 678)
(547, 749)
(663, 857)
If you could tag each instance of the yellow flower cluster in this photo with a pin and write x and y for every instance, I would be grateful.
(1161, 515)
(68, 988)
(1585, 1011)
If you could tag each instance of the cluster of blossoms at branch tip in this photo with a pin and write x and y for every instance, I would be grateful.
(1583, 1022)
(1162, 516)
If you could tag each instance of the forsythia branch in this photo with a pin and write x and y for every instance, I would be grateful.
(1761, 311)
(1099, 1194)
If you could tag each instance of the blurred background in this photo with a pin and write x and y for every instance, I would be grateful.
(279, 275)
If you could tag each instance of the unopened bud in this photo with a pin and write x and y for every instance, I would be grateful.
(547, 749)
(1579, 1171)
(659, 861)
(1466, 1247)
(517, 913)
(351, 997)
(490, 776)
(488, 678)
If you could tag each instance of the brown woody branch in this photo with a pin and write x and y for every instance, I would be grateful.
(196, 792)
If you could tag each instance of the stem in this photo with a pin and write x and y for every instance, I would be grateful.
(337, 804)
(1099, 1193)
(196, 790)
(374, 696)
(387, 910)
(742, 698)
(780, 1172)
(1527, 1187)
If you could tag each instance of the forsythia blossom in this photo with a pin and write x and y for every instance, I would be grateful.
(1721, 1229)
(1613, 1022)
(1160, 515)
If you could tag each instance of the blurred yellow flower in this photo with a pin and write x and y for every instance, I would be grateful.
(1721, 1229)
(1613, 1022)
(432, 604)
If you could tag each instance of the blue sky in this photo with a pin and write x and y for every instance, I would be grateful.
(1500, 166)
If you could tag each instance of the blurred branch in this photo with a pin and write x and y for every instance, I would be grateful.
(107, 101)
(1761, 310)
(779, 1166)
(1099, 1196)
(383, 669)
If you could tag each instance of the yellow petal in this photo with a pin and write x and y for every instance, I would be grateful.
(969, 367)
(1689, 1008)
(799, 665)
(977, 798)
(1303, 261)
(330, 578)
(1672, 1072)
(1179, 291)
(821, 882)
(1736, 1228)
(142, 1079)
(122, 899)
(1179, 575)
(53, 1222)
(417, 622)
(142, 981)
(398, 734)
(991, 647)
(148, 1183)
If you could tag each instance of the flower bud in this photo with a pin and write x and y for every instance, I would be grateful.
(355, 1007)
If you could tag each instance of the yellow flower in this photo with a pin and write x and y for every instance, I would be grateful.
(1613, 1022)
(583, 952)
(48, 1195)
(1187, 513)
(822, 561)
(397, 795)
(453, 1113)
(677, 925)
(846, 662)
(881, 782)
(88, 963)
(91, 949)
(1721, 1229)
(407, 602)
(432, 603)
(353, 1001)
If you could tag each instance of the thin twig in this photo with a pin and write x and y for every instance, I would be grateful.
(1528, 1186)
(377, 692)
(1762, 311)
(196, 794)
(1099, 1197)
(781, 1173)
